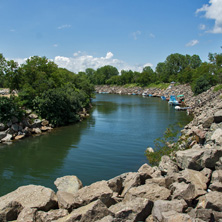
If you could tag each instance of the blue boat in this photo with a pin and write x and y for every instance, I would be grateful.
(173, 101)
(163, 97)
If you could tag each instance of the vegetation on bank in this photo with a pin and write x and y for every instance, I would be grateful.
(53, 93)
(58, 94)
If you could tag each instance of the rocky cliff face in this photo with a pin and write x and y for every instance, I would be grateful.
(187, 187)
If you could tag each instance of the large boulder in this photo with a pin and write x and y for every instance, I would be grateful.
(137, 209)
(198, 158)
(196, 178)
(151, 191)
(173, 216)
(31, 196)
(94, 211)
(10, 211)
(51, 215)
(161, 206)
(99, 190)
(69, 184)
(67, 201)
(211, 200)
(167, 166)
(190, 158)
(27, 214)
(116, 183)
(131, 180)
(183, 191)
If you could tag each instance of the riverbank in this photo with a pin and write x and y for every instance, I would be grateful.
(184, 188)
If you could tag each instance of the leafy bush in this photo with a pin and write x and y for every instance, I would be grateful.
(60, 106)
(8, 108)
(218, 87)
(202, 84)
(163, 146)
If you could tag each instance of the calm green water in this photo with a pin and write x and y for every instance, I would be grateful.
(112, 141)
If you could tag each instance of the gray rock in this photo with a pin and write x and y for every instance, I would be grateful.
(183, 191)
(36, 131)
(216, 186)
(190, 158)
(27, 214)
(116, 183)
(211, 157)
(37, 123)
(173, 216)
(218, 165)
(108, 218)
(69, 184)
(218, 116)
(92, 212)
(217, 136)
(67, 200)
(196, 178)
(203, 214)
(2, 126)
(33, 116)
(131, 180)
(2, 135)
(146, 170)
(31, 196)
(7, 138)
(15, 127)
(167, 166)
(211, 200)
(208, 121)
(137, 209)
(149, 191)
(99, 190)
(10, 211)
(51, 215)
(44, 122)
(161, 206)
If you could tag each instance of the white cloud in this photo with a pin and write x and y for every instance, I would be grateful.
(136, 34)
(192, 43)
(151, 35)
(66, 26)
(202, 27)
(213, 10)
(81, 61)
(55, 45)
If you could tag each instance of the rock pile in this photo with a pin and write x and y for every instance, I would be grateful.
(16, 130)
(156, 92)
(184, 187)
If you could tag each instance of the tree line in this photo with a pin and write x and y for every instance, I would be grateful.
(58, 94)
(176, 68)
(54, 93)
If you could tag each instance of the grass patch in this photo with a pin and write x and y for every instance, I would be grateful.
(131, 85)
(159, 85)
(217, 87)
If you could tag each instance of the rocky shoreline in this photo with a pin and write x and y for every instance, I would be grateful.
(30, 125)
(184, 187)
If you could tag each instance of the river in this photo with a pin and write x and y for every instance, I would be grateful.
(110, 142)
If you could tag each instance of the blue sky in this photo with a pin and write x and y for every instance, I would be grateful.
(128, 34)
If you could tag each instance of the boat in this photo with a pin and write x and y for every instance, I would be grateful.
(173, 101)
(144, 94)
(163, 97)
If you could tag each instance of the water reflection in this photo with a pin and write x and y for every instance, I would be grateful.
(110, 142)
(37, 160)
